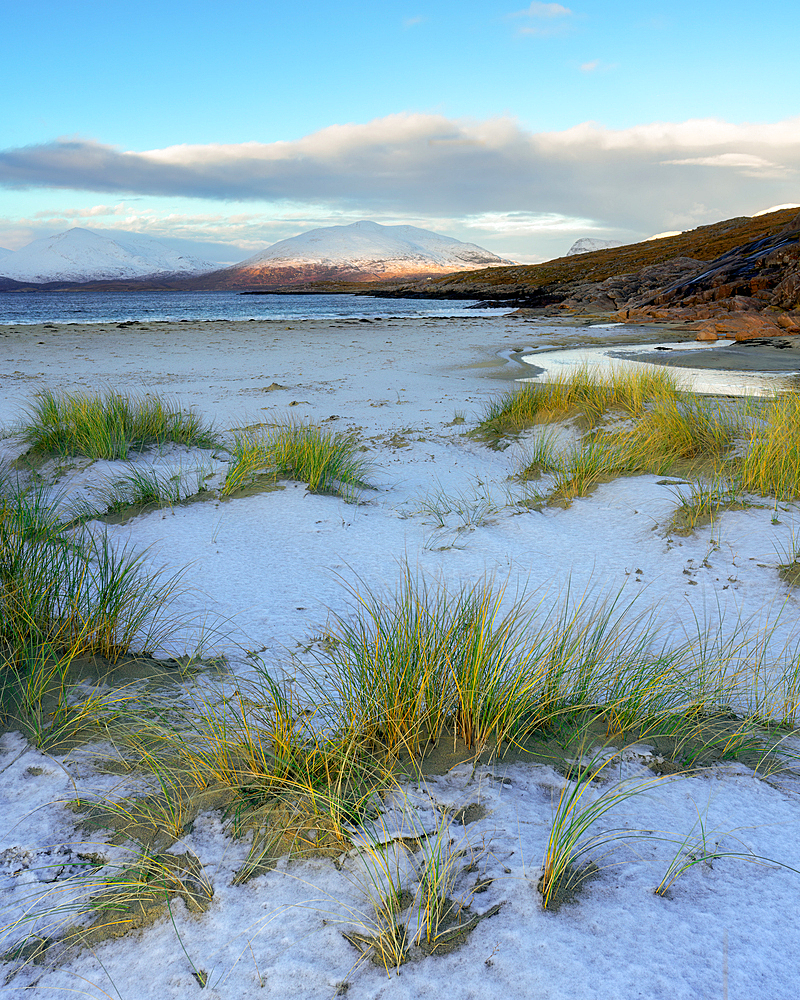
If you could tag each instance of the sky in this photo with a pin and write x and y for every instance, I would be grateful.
(520, 127)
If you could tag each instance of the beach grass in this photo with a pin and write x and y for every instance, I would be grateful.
(326, 461)
(703, 502)
(302, 769)
(144, 486)
(770, 465)
(110, 425)
(664, 431)
(580, 393)
(66, 593)
(680, 430)
(580, 806)
(300, 766)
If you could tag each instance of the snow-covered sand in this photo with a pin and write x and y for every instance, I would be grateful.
(268, 567)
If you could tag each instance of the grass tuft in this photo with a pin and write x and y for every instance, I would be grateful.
(581, 393)
(327, 461)
(771, 464)
(66, 593)
(110, 426)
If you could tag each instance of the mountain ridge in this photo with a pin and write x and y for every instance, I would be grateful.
(362, 251)
(82, 255)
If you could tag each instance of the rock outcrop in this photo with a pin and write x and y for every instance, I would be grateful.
(739, 278)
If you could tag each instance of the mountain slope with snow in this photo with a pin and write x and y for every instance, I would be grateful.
(79, 255)
(362, 251)
(589, 244)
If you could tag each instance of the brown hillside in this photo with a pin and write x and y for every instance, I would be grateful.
(703, 244)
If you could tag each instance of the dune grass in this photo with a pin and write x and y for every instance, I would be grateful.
(703, 501)
(580, 806)
(580, 393)
(146, 487)
(303, 770)
(671, 432)
(770, 466)
(665, 431)
(110, 425)
(326, 461)
(407, 670)
(299, 769)
(66, 593)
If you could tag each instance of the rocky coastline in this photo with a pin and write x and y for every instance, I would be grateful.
(739, 279)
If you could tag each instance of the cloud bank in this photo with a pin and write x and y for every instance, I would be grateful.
(646, 178)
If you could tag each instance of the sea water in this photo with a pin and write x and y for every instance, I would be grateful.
(174, 306)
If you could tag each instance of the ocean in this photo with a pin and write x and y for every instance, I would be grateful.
(165, 306)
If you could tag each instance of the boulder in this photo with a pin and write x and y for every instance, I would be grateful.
(707, 331)
(743, 326)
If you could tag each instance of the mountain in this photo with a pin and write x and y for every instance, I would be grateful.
(589, 244)
(362, 251)
(739, 278)
(4, 252)
(81, 255)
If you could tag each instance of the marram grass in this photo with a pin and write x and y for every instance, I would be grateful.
(66, 593)
(326, 461)
(110, 426)
(665, 431)
(770, 466)
(302, 771)
(582, 392)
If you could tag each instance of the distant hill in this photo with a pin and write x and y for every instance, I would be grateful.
(82, 255)
(737, 276)
(360, 252)
(589, 243)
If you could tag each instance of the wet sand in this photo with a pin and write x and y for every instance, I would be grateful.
(767, 354)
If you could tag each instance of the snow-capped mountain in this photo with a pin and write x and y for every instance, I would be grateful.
(589, 243)
(4, 252)
(79, 255)
(362, 251)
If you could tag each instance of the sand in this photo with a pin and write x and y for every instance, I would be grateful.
(267, 568)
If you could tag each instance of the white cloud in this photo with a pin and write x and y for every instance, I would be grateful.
(91, 212)
(544, 18)
(412, 22)
(547, 10)
(526, 223)
(727, 160)
(643, 179)
(590, 67)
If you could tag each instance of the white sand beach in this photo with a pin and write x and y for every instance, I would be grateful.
(265, 570)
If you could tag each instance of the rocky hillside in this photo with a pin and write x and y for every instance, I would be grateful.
(739, 277)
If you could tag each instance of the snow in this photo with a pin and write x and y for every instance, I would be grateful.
(362, 244)
(85, 255)
(589, 243)
(270, 567)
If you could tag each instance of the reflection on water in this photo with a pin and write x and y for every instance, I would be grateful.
(710, 381)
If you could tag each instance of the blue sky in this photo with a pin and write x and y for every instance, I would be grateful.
(231, 126)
